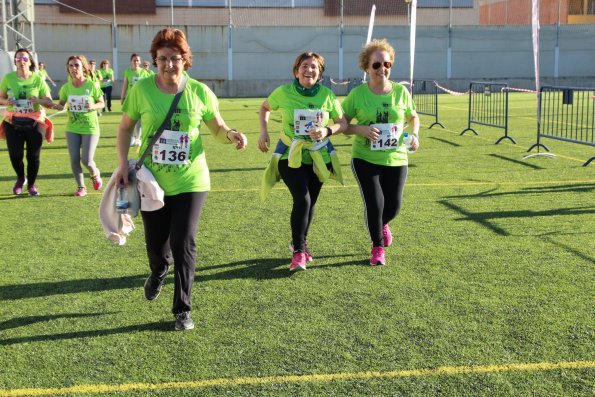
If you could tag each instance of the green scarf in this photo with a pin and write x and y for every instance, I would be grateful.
(312, 91)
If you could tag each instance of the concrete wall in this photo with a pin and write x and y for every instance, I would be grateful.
(263, 56)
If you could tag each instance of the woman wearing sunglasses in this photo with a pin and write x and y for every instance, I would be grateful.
(379, 157)
(24, 92)
(303, 156)
(82, 97)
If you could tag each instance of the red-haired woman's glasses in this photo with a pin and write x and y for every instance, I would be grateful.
(387, 64)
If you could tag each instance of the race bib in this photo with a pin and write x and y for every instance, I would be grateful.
(77, 103)
(306, 119)
(23, 106)
(389, 137)
(173, 147)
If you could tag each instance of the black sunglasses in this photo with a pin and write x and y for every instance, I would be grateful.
(387, 64)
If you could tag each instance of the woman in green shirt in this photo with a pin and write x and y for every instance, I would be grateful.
(106, 84)
(83, 96)
(177, 161)
(310, 112)
(24, 93)
(379, 162)
(133, 75)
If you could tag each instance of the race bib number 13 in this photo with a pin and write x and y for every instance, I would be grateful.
(389, 137)
(77, 103)
(173, 147)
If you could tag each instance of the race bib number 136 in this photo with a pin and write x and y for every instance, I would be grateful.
(173, 147)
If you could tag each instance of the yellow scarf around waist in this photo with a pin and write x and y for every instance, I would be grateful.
(271, 174)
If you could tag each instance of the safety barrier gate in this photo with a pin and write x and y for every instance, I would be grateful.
(566, 114)
(488, 105)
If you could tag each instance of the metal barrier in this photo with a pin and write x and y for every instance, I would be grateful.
(425, 96)
(488, 105)
(566, 114)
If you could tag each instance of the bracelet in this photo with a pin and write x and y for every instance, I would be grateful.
(329, 131)
(227, 134)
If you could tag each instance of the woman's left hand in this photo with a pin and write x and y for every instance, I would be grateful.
(318, 133)
(238, 138)
(415, 143)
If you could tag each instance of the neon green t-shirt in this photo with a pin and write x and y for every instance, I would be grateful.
(287, 99)
(370, 108)
(134, 77)
(106, 76)
(81, 120)
(178, 160)
(13, 87)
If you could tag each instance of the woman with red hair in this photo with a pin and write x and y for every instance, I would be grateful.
(177, 162)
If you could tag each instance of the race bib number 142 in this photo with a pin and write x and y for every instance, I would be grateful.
(389, 137)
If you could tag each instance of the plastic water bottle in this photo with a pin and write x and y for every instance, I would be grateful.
(122, 203)
(11, 96)
(408, 141)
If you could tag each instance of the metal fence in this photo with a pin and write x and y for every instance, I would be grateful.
(488, 105)
(425, 96)
(566, 114)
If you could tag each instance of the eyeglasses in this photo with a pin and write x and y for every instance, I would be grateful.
(23, 59)
(387, 64)
(176, 59)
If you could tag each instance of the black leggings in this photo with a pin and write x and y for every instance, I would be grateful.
(305, 187)
(15, 142)
(107, 97)
(381, 188)
(170, 238)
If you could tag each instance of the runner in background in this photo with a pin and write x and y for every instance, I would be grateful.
(106, 84)
(147, 67)
(44, 74)
(82, 96)
(132, 75)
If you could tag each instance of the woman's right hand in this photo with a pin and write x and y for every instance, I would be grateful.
(264, 142)
(369, 132)
(122, 174)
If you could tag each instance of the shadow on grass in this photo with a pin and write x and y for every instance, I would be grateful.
(257, 269)
(570, 188)
(261, 268)
(485, 218)
(445, 141)
(24, 321)
(25, 291)
(515, 161)
(162, 326)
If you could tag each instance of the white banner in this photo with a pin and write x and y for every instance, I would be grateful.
(412, 34)
(370, 29)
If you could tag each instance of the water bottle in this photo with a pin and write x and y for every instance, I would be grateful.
(10, 95)
(122, 202)
(408, 140)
